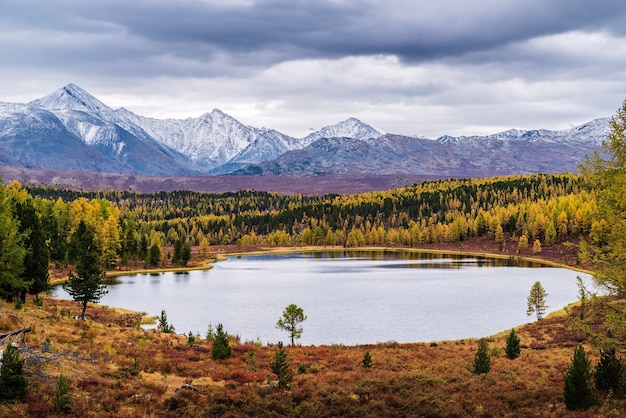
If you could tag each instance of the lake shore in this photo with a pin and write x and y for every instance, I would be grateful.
(560, 255)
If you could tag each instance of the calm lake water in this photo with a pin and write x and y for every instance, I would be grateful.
(349, 297)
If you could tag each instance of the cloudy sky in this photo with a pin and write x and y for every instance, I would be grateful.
(418, 67)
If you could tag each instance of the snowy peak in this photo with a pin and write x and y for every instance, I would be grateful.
(350, 128)
(72, 97)
(591, 132)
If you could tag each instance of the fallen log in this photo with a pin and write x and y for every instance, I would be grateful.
(17, 332)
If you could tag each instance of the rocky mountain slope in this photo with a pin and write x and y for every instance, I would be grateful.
(70, 130)
(510, 152)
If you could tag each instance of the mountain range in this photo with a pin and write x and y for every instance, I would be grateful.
(71, 130)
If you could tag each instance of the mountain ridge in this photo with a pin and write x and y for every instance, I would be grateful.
(71, 130)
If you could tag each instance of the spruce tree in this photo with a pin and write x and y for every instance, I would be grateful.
(87, 285)
(280, 367)
(608, 372)
(512, 348)
(482, 360)
(577, 392)
(13, 383)
(221, 348)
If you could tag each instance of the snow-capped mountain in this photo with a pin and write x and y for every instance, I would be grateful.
(125, 142)
(215, 139)
(590, 132)
(124, 147)
(509, 152)
(350, 128)
(73, 131)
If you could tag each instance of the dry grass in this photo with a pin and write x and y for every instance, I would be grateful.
(115, 368)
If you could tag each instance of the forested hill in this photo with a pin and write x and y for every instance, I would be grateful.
(542, 209)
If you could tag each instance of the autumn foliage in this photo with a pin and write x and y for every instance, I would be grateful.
(112, 367)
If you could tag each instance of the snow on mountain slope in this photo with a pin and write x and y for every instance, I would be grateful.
(70, 129)
(116, 138)
(594, 131)
(350, 128)
(215, 138)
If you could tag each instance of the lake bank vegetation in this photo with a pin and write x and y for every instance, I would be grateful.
(108, 365)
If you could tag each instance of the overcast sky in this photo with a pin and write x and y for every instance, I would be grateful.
(417, 67)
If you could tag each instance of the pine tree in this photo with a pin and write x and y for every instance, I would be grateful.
(292, 317)
(280, 367)
(176, 258)
(165, 326)
(537, 301)
(154, 256)
(87, 285)
(221, 348)
(512, 348)
(62, 400)
(608, 372)
(367, 360)
(13, 383)
(482, 360)
(185, 254)
(577, 391)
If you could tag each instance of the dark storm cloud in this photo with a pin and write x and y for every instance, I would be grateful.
(266, 32)
(412, 66)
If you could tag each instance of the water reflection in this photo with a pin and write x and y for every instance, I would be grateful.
(350, 297)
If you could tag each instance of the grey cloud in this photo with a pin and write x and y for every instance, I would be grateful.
(271, 31)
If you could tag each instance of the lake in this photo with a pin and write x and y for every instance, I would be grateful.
(350, 297)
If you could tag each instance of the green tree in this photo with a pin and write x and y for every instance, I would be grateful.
(482, 360)
(537, 301)
(221, 348)
(154, 256)
(165, 326)
(62, 400)
(280, 367)
(12, 251)
(37, 263)
(512, 347)
(87, 285)
(606, 173)
(577, 392)
(143, 248)
(178, 246)
(185, 254)
(292, 317)
(367, 360)
(608, 372)
(13, 383)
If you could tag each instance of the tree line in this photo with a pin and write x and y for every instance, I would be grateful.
(545, 208)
